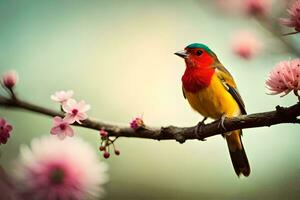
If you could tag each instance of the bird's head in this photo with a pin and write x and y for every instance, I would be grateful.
(197, 55)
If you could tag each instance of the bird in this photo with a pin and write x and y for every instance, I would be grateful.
(211, 91)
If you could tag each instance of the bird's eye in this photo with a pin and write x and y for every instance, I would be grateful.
(199, 52)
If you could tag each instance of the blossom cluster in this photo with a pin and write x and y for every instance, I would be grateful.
(106, 143)
(52, 169)
(8, 82)
(293, 19)
(257, 7)
(74, 112)
(285, 77)
(246, 44)
(5, 131)
(137, 122)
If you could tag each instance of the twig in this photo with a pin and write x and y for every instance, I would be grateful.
(272, 26)
(180, 134)
(291, 33)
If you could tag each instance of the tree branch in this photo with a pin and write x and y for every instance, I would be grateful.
(180, 134)
(273, 27)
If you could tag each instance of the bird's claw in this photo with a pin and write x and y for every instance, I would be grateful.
(221, 123)
(199, 128)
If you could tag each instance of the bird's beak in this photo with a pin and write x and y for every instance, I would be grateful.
(182, 54)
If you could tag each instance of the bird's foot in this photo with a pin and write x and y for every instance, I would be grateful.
(221, 123)
(199, 128)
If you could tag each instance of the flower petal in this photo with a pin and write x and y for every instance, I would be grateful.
(82, 116)
(55, 130)
(61, 135)
(72, 102)
(69, 118)
(9, 128)
(57, 121)
(69, 131)
(69, 93)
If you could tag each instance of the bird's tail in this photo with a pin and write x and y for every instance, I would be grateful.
(237, 153)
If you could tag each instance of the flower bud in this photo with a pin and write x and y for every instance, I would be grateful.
(106, 155)
(137, 123)
(257, 7)
(9, 79)
(102, 148)
(117, 152)
(103, 133)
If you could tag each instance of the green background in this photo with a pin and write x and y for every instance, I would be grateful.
(118, 56)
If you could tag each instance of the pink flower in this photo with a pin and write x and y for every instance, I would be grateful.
(257, 7)
(61, 128)
(10, 79)
(294, 19)
(246, 45)
(52, 169)
(103, 133)
(285, 77)
(62, 96)
(5, 131)
(75, 111)
(137, 123)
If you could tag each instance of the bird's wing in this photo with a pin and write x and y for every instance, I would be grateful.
(230, 85)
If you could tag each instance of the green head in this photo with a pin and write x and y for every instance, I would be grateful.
(199, 46)
(196, 48)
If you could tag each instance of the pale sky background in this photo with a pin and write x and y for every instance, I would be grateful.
(118, 56)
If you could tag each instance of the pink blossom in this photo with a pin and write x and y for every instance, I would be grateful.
(285, 77)
(5, 131)
(75, 111)
(10, 79)
(137, 123)
(62, 96)
(103, 133)
(294, 16)
(52, 169)
(257, 7)
(61, 128)
(246, 45)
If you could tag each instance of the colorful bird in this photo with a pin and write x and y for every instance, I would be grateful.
(212, 92)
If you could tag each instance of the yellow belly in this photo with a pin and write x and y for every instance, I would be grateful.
(213, 101)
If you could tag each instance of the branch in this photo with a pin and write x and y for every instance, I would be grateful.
(273, 27)
(279, 116)
(291, 33)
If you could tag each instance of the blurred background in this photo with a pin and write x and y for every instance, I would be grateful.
(118, 56)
